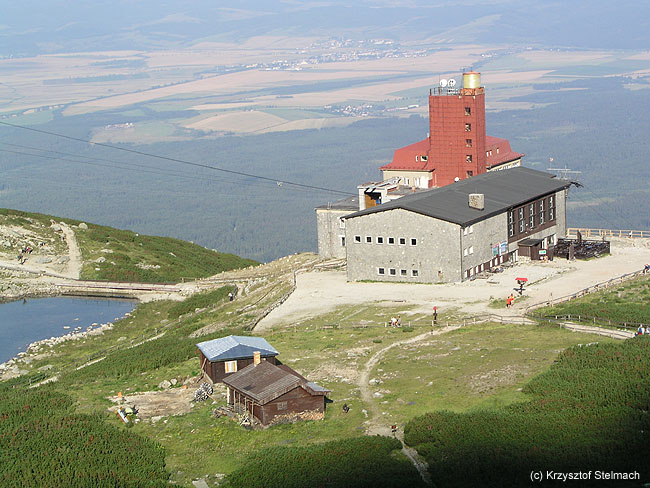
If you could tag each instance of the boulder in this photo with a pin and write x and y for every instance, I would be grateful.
(83, 226)
(164, 385)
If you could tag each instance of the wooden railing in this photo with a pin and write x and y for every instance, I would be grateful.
(600, 233)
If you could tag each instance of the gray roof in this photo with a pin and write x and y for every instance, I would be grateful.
(502, 189)
(235, 347)
(265, 382)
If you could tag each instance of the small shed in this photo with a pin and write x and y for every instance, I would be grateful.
(530, 248)
(267, 391)
(227, 355)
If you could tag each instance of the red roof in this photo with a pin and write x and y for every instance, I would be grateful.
(404, 158)
(499, 152)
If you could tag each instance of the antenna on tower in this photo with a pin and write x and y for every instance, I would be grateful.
(563, 173)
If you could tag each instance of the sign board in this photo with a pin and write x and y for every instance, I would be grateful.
(503, 248)
(542, 252)
(495, 250)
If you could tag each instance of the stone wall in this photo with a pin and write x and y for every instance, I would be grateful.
(435, 255)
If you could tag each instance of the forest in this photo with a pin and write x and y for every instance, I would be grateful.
(594, 126)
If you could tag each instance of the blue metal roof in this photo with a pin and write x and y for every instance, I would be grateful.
(235, 347)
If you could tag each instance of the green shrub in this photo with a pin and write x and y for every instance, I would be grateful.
(588, 412)
(43, 443)
(355, 462)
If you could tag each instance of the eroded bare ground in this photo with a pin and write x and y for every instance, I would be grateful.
(152, 404)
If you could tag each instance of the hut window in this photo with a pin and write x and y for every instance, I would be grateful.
(468, 110)
(231, 366)
(282, 405)
(380, 240)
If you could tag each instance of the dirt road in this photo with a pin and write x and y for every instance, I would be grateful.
(321, 292)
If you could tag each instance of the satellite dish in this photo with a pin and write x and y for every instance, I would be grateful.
(457, 178)
(443, 83)
(451, 83)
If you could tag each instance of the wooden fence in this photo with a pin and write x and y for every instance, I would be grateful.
(601, 233)
(585, 291)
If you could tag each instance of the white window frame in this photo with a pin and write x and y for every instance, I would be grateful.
(392, 271)
(357, 239)
(341, 223)
(414, 241)
(414, 273)
(400, 241)
(379, 239)
(471, 229)
(342, 240)
(391, 243)
(403, 272)
(381, 271)
(465, 252)
(471, 249)
(230, 366)
(368, 239)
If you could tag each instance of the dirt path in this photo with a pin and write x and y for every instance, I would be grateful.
(73, 268)
(374, 423)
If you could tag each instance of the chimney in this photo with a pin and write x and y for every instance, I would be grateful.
(257, 357)
(477, 201)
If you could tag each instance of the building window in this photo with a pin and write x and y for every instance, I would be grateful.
(468, 110)
(406, 181)
(424, 158)
(414, 241)
(522, 226)
(402, 241)
(468, 127)
(392, 271)
(380, 240)
(470, 174)
(341, 224)
(468, 143)
(381, 271)
(531, 216)
(497, 150)
(414, 273)
(402, 272)
(511, 223)
(465, 252)
(282, 405)
(471, 229)
(231, 366)
(541, 211)
(471, 249)
(342, 241)
(357, 239)
(368, 239)
(551, 208)
(417, 157)
(468, 158)
(391, 240)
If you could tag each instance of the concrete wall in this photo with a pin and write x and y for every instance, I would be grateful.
(480, 237)
(330, 233)
(436, 256)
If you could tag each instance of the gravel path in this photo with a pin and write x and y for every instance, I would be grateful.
(73, 269)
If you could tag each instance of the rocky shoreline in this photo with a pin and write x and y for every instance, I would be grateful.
(17, 365)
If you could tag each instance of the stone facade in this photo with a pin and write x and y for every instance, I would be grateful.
(404, 246)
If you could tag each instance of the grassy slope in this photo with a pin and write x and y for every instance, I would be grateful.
(129, 256)
(492, 364)
(627, 302)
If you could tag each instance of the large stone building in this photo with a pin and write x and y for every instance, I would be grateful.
(452, 233)
(457, 147)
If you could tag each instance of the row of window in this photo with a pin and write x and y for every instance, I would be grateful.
(468, 250)
(537, 212)
(389, 240)
(393, 272)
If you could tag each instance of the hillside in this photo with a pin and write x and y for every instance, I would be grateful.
(105, 253)
(385, 375)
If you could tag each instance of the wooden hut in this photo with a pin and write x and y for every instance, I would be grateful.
(227, 355)
(267, 391)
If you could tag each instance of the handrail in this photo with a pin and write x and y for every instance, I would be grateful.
(590, 289)
(600, 233)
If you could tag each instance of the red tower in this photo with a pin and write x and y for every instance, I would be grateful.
(457, 131)
(457, 147)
